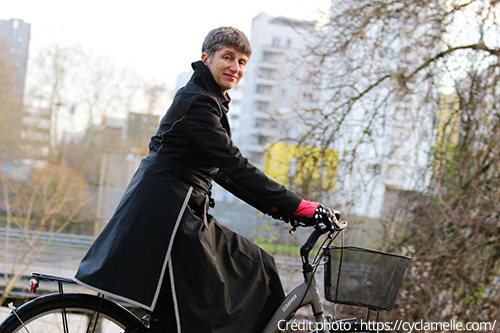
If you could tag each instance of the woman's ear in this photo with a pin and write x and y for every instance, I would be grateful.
(204, 58)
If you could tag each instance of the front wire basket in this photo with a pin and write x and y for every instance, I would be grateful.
(362, 277)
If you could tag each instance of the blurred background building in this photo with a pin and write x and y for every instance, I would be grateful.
(15, 40)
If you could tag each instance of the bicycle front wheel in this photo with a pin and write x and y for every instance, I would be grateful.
(73, 313)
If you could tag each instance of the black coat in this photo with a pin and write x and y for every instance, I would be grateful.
(161, 229)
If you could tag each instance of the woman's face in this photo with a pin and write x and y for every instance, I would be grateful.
(227, 66)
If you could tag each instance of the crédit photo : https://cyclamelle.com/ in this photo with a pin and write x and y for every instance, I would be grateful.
(398, 325)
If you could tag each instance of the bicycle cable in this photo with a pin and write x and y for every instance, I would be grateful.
(315, 262)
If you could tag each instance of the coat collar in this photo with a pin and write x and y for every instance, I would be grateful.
(203, 72)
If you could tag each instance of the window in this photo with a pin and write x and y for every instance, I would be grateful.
(402, 114)
(266, 73)
(308, 97)
(276, 41)
(400, 152)
(400, 133)
(260, 123)
(264, 90)
(262, 106)
(374, 169)
(394, 173)
(267, 57)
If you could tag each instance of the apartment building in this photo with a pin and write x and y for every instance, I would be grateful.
(15, 40)
(273, 89)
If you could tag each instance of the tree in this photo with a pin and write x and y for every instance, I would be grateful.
(386, 69)
(84, 90)
(53, 200)
(454, 231)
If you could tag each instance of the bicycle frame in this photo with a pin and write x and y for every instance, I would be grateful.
(303, 294)
(300, 296)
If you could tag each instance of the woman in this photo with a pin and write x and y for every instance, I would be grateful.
(161, 250)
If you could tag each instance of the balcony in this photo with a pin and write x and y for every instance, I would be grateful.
(266, 81)
(263, 98)
(401, 177)
(262, 115)
(266, 64)
(261, 131)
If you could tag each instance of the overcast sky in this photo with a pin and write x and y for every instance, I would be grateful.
(158, 39)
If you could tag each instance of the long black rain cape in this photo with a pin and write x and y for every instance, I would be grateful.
(161, 231)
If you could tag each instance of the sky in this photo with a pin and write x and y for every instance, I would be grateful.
(157, 39)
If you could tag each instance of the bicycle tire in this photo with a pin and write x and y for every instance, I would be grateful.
(83, 313)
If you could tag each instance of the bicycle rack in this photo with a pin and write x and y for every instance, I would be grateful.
(37, 277)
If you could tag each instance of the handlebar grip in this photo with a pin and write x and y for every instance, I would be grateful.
(332, 221)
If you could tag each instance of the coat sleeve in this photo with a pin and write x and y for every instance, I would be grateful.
(241, 193)
(202, 123)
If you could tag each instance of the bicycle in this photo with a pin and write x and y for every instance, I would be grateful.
(80, 312)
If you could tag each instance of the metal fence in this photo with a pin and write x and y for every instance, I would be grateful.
(28, 251)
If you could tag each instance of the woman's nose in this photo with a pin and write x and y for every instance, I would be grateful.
(234, 66)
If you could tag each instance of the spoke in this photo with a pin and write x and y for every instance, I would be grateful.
(95, 318)
(64, 320)
(91, 323)
(64, 316)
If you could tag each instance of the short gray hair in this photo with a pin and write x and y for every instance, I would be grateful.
(226, 36)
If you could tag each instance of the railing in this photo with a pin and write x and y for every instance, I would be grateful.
(27, 251)
(45, 247)
(60, 254)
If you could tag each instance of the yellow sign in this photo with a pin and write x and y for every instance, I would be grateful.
(298, 166)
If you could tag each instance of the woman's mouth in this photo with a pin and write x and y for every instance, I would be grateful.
(232, 77)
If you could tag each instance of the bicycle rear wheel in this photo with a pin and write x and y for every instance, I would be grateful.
(71, 313)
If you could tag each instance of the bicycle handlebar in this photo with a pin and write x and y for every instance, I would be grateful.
(308, 245)
(318, 231)
(300, 221)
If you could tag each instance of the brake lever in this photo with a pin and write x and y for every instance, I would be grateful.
(340, 225)
(295, 224)
(337, 225)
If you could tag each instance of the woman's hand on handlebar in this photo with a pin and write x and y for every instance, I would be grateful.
(323, 215)
(310, 214)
